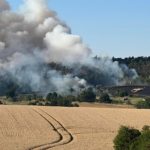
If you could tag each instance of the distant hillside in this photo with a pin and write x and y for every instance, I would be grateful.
(140, 91)
(141, 64)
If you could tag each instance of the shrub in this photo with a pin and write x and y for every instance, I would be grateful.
(51, 96)
(125, 137)
(104, 98)
(87, 95)
(40, 103)
(11, 93)
(75, 105)
(1, 103)
(123, 93)
(53, 102)
(142, 142)
(54, 99)
(143, 104)
(132, 139)
(117, 102)
(64, 102)
(47, 103)
(67, 102)
(33, 102)
(146, 128)
(71, 97)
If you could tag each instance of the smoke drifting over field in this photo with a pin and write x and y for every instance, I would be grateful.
(33, 37)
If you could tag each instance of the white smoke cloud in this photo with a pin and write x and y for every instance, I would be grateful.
(34, 37)
(65, 47)
(36, 10)
(2, 46)
(4, 5)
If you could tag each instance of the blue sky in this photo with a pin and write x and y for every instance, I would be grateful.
(119, 28)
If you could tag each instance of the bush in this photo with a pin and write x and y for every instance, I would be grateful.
(53, 102)
(117, 102)
(125, 137)
(71, 97)
(47, 103)
(64, 102)
(142, 142)
(75, 105)
(104, 98)
(51, 96)
(132, 139)
(67, 102)
(145, 128)
(33, 102)
(143, 104)
(123, 94)
(1, 103)
(54, 99)
(87, 95)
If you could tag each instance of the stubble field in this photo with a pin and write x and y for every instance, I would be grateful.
(56, 128)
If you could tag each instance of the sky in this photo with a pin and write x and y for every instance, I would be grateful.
(119, 28)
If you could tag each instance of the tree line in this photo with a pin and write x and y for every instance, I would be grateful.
(140, 64)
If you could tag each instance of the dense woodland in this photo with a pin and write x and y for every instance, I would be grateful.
(141, 65)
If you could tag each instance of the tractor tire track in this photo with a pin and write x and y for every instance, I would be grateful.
(65, 137)
(55, 129)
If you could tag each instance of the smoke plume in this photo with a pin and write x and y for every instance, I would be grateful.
(34, 37)
(4, 5)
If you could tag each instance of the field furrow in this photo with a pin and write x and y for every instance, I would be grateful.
(22, 128)
(58, 128)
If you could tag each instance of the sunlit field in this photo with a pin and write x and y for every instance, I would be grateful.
(58, 128)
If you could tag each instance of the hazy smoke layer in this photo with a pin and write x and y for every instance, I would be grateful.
(3, 5)
(34, 37)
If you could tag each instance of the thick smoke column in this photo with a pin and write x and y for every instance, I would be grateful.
(4, 5)
(34, 37)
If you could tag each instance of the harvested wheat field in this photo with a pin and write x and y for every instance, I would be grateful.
(45, 128)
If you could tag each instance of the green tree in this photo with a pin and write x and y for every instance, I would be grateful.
(51, 96)
(125, 138)
(104, 98)
(54, 102)
(88, 95)
(142, 142)
(123, 93)
(64, 102)
(143, 104)
(11, 93)
(57, 100)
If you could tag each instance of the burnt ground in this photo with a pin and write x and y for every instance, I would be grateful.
(131, 90)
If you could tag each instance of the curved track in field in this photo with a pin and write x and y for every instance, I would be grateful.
(60, 128)
(65, 137)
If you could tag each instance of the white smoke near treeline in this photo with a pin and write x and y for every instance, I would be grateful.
(34, 37)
